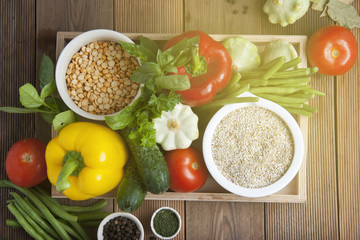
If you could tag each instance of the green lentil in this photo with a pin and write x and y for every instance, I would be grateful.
(166, 223)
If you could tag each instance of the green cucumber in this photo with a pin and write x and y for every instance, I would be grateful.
(150, 163)
(130, 193)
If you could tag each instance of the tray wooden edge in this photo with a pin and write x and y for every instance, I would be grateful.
(300, 197)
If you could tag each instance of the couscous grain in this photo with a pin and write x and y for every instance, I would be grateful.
(252, 147)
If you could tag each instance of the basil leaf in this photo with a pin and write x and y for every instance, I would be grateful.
(29, 97)
(173, 82)
(22, 110)
(170, 69)
(48, 90)
(146, 71)
(144, 50)
(46, 71)
(149, 47)
(164, 58)
(63, 119)
(121, 120)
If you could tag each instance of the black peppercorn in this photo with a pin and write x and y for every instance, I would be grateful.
(121, 228)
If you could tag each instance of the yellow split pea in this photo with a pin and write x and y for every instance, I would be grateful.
(98, 78)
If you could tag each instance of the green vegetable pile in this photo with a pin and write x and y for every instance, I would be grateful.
(157, 93)
(288, 88)
(43, 218)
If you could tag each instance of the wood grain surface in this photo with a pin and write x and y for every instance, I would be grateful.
(28, 29)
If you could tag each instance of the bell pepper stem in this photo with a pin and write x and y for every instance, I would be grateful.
(72, 165)
(196, 63)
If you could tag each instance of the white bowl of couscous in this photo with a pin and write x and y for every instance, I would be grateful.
(253, 149)
(93, 74)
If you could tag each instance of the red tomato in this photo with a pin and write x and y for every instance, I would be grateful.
(25, 162)
(333, 49)
(187, 169)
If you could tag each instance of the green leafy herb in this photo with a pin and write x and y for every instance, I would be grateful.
(48, 90)
(29, 96)
(146, 50)
(173, 82)
(148, 70)
(49, 106)
(344, 14)
(62, 119)
(46, 72)
(22, 110)
(157, 92)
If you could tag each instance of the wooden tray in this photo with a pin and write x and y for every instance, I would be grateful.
(294, 192)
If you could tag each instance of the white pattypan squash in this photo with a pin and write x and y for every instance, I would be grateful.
(285, 12)
(176, 129)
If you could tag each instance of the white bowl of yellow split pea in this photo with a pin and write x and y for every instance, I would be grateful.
(253, 149)
(93, 74)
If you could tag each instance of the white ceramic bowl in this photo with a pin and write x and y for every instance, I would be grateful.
(120, 214)
(263, 191)
(152, 222)
(65, 57)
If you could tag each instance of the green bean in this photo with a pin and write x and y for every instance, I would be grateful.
(12, 223)
(92, 223)
(272, 70)
(230, 86)
(294, 85)
(33, 223)
(33, 214)
(280, 81)
(275, 90)
(299, 111)
(54, 208)
(254, 82)
(23, 222)
(70, 230)
(301, 72)
(91, 216)
(237, 91)
(268, 65)
(282, 99)
(57, 205)
(74, 209)
(302, 95)
(314, 70)
(289, 64)
(33, 207)
(302, 88)
(309, 108)
(80, 230)
(292, 105)
(316, 92)
(47, 214)
(222, 102)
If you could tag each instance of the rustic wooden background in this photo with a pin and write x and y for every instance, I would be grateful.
(332, 210)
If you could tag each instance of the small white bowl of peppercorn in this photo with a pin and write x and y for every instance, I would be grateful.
(120, 225)
(165, 223)
(93, 74)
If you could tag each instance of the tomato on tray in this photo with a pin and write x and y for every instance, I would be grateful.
(333, 49)
(25, 162)
(187, 169)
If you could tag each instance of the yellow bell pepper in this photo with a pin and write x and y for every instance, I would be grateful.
(85, 160)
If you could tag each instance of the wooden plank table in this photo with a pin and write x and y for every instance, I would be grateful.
(331, 211)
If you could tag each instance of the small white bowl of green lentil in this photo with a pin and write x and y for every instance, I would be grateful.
(253, 149)
(120, 225)
(93, 74)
